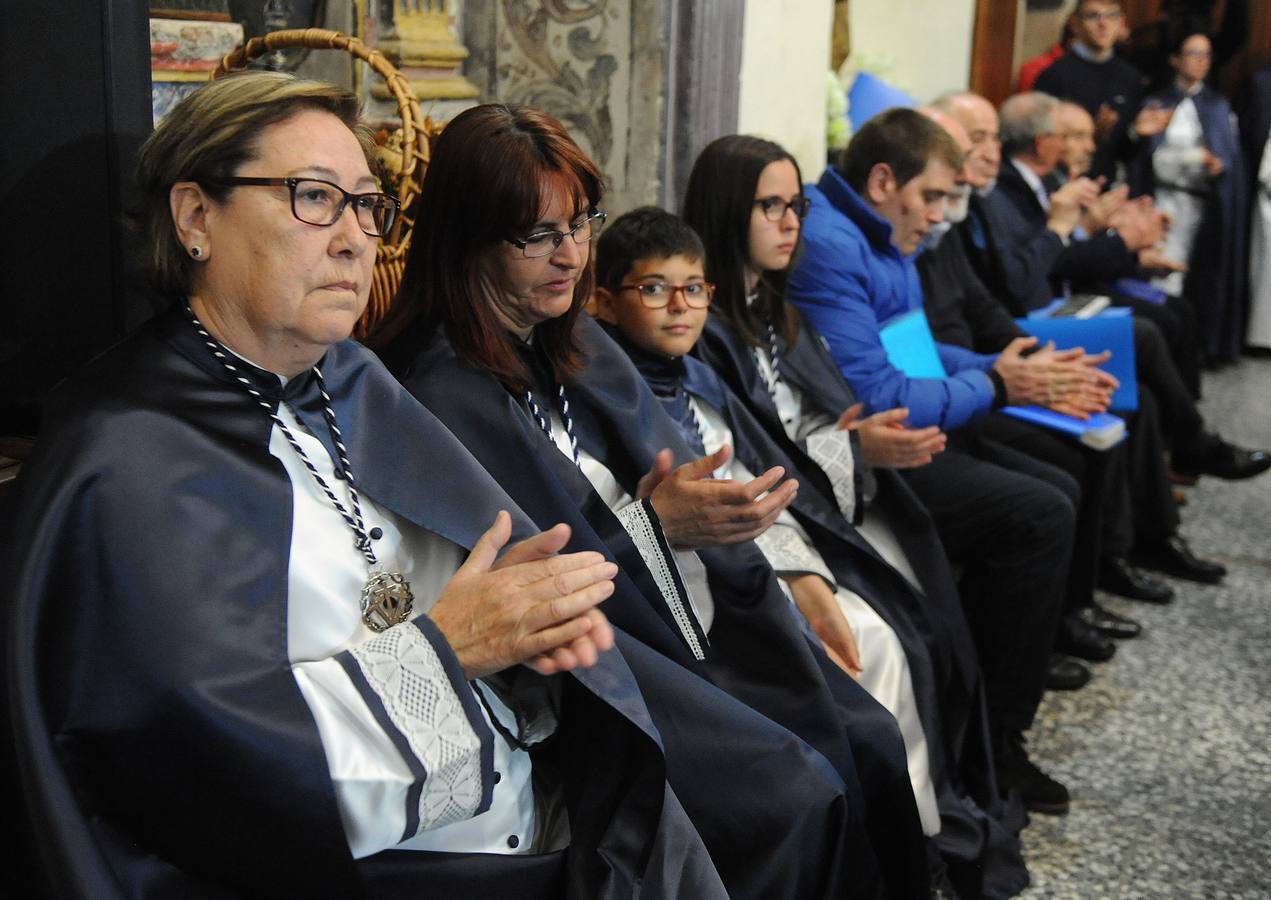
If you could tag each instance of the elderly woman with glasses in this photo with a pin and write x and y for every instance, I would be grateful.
(490, 334)
(264, 639)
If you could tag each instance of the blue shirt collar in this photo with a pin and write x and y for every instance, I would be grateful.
(1089, 54)
(842, 197)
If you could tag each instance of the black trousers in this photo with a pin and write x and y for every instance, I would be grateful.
(1144, 512)
(1175, 319)
(1091, 471)
(1012, 533)
(1180, 421)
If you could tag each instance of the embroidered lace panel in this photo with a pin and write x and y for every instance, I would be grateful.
(403, 669)
(636, 521)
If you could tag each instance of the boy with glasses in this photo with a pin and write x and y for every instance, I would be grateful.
(654, 299)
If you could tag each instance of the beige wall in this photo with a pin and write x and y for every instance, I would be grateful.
(785, 68)
(925, 44)
(1038, 31)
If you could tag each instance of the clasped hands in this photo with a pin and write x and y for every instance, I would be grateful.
(533, 605)
(1067, 381)
(887, 442)
(698, 511)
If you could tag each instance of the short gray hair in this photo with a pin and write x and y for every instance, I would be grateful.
(1025, 117)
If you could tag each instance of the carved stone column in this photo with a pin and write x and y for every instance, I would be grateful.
(420, 40)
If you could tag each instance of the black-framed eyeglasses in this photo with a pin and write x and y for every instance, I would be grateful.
(544, 243)
(318, 202)
(774, 208)
(657, 294)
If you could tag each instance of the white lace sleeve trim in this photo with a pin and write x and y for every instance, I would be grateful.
(788, 552)
(447, 738)
(831, 449)
(635, 519)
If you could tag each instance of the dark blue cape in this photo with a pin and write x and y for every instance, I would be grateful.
(757, 653)
(977, 828)
(1217, 280)
(164, 743)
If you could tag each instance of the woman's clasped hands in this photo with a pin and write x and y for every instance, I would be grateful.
(533, 605)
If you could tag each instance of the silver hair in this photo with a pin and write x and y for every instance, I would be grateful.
(947, 103)
(1025, 117)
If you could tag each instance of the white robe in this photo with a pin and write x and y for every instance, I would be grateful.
(1259, 334)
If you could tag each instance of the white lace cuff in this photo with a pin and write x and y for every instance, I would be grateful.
(831, 449)
(640, 522)
(789, 553)
(412, 683)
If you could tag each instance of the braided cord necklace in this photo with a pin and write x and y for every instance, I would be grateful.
(386, 599)
(545, 423)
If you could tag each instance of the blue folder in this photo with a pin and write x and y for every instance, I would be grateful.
(910, 346)
(870, 95)
(1110, 330)
(1101, 431)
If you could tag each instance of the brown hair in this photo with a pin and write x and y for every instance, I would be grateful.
(905, 140)
(718, 203)
(486, 183)
(210, 134)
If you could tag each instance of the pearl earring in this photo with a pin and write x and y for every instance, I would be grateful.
(196, 252)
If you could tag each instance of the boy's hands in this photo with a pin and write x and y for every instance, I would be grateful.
(696, 510)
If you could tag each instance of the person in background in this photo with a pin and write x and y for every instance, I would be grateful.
(1109, 88)
(983, 320)
(1194, 170)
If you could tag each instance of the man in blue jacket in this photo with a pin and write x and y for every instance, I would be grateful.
(1007, 518)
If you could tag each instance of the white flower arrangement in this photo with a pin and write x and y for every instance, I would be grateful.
(838, 130)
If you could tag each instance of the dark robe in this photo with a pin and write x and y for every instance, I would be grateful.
(756, 651)
(1217, 276)
(979, 832)
(164, 743)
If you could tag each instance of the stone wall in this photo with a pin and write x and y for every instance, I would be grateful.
(597, 65)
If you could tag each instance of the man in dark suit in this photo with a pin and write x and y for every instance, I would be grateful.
(1014, 222)
(1093, 75)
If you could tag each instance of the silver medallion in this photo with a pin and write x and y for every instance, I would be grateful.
(386, 601)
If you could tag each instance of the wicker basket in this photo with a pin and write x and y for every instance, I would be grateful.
(406, 167)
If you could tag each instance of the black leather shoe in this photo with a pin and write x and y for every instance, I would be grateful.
(1173, 557)
(1040, 792)
(1222, 460)
(1116, 576)
(1105, 621)
(1076, 638)
(1064, 674)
